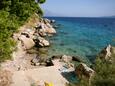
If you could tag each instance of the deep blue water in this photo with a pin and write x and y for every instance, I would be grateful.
(84, 37)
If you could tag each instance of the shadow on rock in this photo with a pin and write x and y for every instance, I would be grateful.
(70, 76)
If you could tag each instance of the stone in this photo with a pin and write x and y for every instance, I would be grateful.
(35, 60)
(56, 57)
(66, 58)
(28, 33)
(28, 43)
(52, 21)
(43, 42)
(47, 28)
(107, 53)
(42, 33)
(76, 58)
(49, 62)
(82, 70)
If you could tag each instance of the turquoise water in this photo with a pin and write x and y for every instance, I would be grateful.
(83, 37)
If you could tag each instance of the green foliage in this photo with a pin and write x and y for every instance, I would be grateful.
(105, 74)
(13, 13)
(41, 1)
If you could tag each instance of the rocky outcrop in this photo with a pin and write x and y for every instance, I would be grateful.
(44, 27)
(34, 36)
(82, 70)
(107, 53)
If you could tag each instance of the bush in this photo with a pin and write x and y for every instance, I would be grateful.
(105, 74)
(41, 1)
(13, 13)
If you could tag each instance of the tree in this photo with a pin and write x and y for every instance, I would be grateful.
(13, 13)
(41, 1)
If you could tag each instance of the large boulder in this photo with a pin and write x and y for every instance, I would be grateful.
(82, 70)
(107, 53)
(28, 43)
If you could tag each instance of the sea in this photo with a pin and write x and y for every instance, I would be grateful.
(83, 37)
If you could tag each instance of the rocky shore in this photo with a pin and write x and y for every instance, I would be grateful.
(34, 70)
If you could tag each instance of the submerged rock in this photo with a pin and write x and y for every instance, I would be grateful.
(76, 58)
(82, 70)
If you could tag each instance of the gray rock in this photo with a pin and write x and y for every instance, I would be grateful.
(66, 58)
(35, 61)
(43, 42)
(76, 58)
(82, 70)
(107, 53)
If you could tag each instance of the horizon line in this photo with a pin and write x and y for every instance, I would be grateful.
(83, 17)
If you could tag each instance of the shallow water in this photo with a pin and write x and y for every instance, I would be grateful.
(83, 37)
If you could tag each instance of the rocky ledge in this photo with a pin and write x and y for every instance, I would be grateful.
(30, 37)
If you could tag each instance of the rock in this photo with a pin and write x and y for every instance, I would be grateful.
(52, 21)
(28, 43)
(42, 33)
(28, 33)
(49, 62)
(47, 28)
(107, 53)
(50, 30)
(35, 61)
(76, 58)
(82, 70)
(42, 42)
(46, 20)
(57, 57)
(66, 58)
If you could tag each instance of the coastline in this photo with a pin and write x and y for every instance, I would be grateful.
(31, 68)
